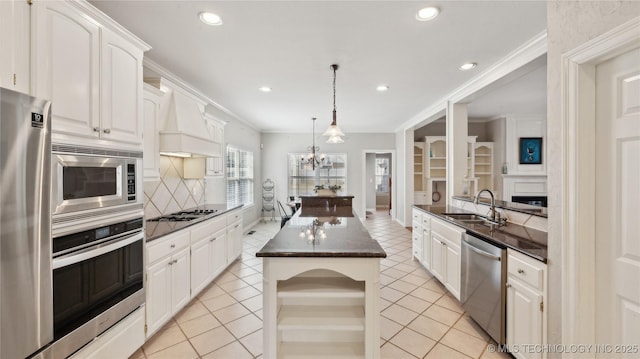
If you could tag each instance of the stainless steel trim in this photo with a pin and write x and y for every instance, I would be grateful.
(62, 148)
(483, 253)
(95, 244)
(63, 218)
(95, 251)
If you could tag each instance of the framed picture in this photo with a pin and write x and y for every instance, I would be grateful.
(530, 150)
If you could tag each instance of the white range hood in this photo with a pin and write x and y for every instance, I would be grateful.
(183, 130)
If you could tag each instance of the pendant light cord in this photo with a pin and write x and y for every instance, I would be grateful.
(334, 67)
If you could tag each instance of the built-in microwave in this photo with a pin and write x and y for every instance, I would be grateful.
(87, 179)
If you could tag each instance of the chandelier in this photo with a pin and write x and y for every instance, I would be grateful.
(334, 132)
(314, 158)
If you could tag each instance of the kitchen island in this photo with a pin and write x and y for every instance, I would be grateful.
(321, 277)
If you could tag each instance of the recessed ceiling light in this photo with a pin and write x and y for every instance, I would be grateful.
(264, 88)
(427, 13)
(468, 66)
(210, 18)
(382, 88)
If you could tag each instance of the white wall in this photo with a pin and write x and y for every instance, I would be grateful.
(276, 146)
(569, 24)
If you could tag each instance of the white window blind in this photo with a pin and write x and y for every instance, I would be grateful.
(239, 176)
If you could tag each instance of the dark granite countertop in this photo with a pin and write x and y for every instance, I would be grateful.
(344, 236)
(155, 230)
(512, 206)
(523, 239)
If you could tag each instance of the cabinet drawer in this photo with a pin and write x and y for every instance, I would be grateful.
(426, 221)
(448, 231)
(234, 217)
(166, 246)
(520, 268)
(207, 228)
(417, 215)
(416, 227)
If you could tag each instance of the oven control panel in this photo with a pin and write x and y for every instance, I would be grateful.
(131, 182)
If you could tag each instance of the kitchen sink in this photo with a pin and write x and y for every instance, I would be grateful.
(466, 216)
(470, 218)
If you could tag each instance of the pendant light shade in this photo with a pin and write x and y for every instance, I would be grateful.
(335, 139)
(334, 132)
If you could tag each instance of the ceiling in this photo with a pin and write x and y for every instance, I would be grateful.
(290, 45)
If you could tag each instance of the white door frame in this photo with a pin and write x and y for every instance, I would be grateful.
(578, 178)
(393, 192)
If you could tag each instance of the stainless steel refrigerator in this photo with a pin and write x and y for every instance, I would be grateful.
(26, 300)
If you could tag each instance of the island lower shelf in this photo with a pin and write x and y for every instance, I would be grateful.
(321, 307)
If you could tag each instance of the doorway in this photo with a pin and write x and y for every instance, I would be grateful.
(378, 185)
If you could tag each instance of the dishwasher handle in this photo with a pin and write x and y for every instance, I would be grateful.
(481, 252)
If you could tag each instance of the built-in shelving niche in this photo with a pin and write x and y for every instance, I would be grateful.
(321, 314)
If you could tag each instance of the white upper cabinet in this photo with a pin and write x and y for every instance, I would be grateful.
(121, 89)
(67, 58)
(151, 148)
(90, 71)
(215, 165)
(15, 45)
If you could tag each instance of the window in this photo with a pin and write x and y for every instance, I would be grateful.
(239, 177)
(382, 175)
(330, 173)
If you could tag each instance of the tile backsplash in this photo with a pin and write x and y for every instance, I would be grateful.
(172, 193)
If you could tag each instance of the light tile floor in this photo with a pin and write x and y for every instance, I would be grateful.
(419, 319)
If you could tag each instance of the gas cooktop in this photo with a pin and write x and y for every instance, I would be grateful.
(185, 216)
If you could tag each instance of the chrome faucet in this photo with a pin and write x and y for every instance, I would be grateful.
(495, 215)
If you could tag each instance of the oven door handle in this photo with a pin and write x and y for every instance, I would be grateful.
(92, 252)
(481, 252)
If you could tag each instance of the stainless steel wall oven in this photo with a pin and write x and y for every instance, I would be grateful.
(97, 280)
(97, 243)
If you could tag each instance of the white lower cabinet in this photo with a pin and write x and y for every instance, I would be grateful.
(526, 292)
(436, 244)
(445, 254)
(234, 235)
(181, 264)
(208, 253)
(421, 236)
(168, 279)
(416, 243)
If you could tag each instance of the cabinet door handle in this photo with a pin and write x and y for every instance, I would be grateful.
(175, 261)
(172, 246)
(236, 226)
(171, 263)
(508, 285)
(444, 244)
(107, 130)
(213, 239)
(520, 270)
(96, 129)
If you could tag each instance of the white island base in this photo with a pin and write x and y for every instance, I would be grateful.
(321, 307)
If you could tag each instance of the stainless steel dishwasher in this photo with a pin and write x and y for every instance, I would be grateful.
(483, 292)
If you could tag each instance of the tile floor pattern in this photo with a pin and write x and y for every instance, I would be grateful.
(419, 319)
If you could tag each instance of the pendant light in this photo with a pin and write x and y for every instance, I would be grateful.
(334, 132)
(314, 158)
